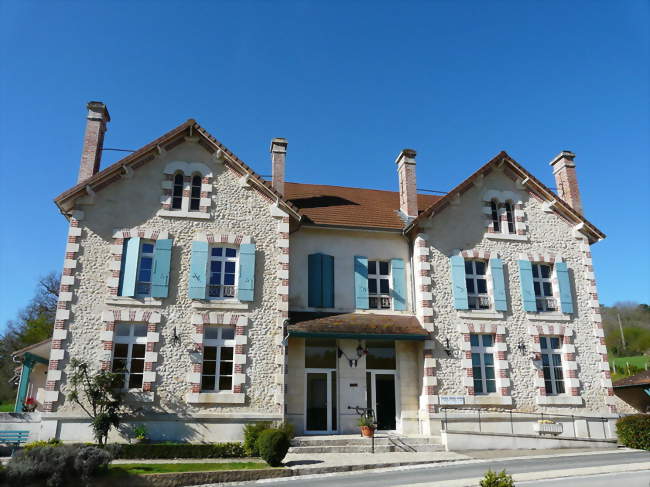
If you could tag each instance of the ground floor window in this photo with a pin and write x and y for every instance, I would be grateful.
(218, 350)
(483, 363)
(552, 365)
(129, 347)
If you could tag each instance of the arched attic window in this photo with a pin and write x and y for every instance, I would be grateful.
(496, 224)
(195, 194)
(510, 216)
(177, 191)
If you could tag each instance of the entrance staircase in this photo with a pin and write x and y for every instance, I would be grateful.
(384, 443)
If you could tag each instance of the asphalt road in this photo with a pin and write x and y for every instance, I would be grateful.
(630, 479)
(476, 469)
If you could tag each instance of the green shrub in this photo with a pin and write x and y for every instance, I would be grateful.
(634, 431)
(37, 444)
(177, 450)
(287, 428)
(273, 445)
(55, 466)
(251, 433)
(493, 479)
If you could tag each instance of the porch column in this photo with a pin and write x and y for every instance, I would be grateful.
(26, 371)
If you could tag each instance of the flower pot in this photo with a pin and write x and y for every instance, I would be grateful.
(548, 428)
(367, 431)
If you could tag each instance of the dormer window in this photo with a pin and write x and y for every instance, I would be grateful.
(494, 208)
(504, 215)
(177, 192)
(195, 193)
(187, 187)
(510, 217)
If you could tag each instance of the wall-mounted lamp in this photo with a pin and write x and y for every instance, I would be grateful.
(522, 348)
(361, 351)
(176, 340)
(447, 348)
(352, 361)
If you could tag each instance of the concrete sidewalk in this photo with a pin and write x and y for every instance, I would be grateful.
(372, 460)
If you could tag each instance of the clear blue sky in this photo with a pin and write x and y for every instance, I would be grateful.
(349, 84)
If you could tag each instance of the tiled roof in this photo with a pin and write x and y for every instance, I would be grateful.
(640, 379)
(350, 207)
(367, 324)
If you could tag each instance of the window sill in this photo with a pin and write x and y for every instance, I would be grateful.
(479, 314)
(138, 396)
(128, 301)
(507, 236)
(548, 316)
(215, 398)
(184, 214)
(489, 400)
(560, 400)
(220, 304)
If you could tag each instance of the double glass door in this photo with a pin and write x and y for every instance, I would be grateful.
(321, 401)
(381, 397)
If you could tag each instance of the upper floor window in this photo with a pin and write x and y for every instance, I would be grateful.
(218, 350)
(552, 365)
(379, 284)
(496, 218)
(177, 192)
(483, 363)
(195, 193)
(145, 267)
(510, 218)
(543, 287)
(222, 272)
(476, 283)
(129, 346)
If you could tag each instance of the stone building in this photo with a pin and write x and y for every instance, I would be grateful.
(224, 298)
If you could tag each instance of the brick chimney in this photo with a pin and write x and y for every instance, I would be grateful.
(566, 180)
(278, 157)
(91, 154)
(408, 198)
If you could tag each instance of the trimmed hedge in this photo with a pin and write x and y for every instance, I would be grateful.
(252, 432)
(273, 445)
(178, 450)
(634, 431)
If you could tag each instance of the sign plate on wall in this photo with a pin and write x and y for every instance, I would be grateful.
(451, 400)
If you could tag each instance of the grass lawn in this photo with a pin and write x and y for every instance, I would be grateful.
(143, 468)
(7, 407)
(638, 361)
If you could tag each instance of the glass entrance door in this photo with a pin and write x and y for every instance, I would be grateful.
(382, 397)
(321, 410)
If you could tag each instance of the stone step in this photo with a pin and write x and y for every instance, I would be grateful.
(367, 448)
(353, 441)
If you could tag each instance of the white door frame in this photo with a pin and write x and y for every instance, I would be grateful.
(373, 398)
(327, 371)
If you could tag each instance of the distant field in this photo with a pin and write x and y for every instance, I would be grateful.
(639, 361)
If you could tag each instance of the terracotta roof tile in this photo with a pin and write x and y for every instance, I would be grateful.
(350, 207)
(356, 324)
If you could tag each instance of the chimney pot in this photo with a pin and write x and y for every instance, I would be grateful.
(96, 121)
(278, 158)
(566, 180)
(408, 198)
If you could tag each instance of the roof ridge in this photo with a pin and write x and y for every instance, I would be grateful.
(355, 187)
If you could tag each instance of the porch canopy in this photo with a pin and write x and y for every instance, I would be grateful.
(368, 326)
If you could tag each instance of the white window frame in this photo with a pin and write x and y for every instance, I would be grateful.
(476, 300)
(219, 343)
(191, 189)
(182, 186)
(381, 298)
(547, 350)
(129, 340)
(495, 215)
(141, 255)
(544, 303)
(482, 351)
(223, 259)
(509, 209)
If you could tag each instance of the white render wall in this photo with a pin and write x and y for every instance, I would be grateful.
(133, 203)
(343, 245)
(462, 226)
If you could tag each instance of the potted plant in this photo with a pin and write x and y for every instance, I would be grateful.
(367, 427)
(29, 406)
(547, 427)
(140, 433)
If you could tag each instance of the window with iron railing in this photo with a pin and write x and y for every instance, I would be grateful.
(223, 273)
(543, 288)
(476, 282)
(379, 285)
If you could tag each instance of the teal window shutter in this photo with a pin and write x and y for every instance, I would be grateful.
(130, 267)
(398, 273)
(457, 264)
(498, 285)
(527, 288)
(246, 287)
(566, 300)
(328, 281)
(361, 282)
(162, 255)
(198, 270)
(315, 280)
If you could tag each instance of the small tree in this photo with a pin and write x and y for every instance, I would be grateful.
(103, 401)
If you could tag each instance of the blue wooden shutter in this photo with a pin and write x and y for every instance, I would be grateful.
(566, 300)
(498, 285)
(315, 280)
(398, 273)
(459, 286)
(162, 255)
(246, 288)
(361, 282)
(527, 288)
(198, 270)
(130, 268)
(328, 281)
